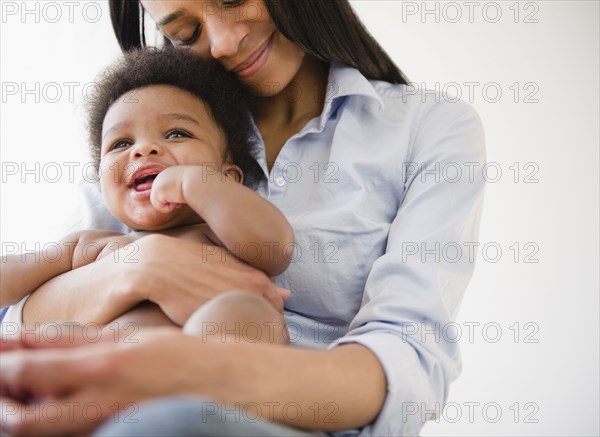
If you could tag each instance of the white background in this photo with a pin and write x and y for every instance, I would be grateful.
(532, 354)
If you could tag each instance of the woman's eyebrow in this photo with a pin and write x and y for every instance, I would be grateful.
(169, 18)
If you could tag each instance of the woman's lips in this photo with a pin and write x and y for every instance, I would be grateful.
(256, 61)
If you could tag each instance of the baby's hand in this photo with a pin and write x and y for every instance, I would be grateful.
(172, 185)
(167, 189)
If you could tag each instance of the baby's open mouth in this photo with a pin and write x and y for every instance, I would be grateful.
(144, 183)
(144, 177)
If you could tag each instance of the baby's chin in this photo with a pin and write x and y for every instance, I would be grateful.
(161, 222)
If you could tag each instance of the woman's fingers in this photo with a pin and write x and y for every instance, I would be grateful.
(57, 372)
(77, 415)
(58, 391)
(64, 335)
(70, 391)
(196, 274)
(57, 335)
(49, 372)
(9, 345)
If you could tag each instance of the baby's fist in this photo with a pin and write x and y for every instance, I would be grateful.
(167, 189)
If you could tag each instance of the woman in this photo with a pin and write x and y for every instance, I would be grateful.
(353, 157)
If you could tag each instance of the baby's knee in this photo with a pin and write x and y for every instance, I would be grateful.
(236, 316)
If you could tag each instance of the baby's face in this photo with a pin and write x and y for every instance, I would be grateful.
(143, 133)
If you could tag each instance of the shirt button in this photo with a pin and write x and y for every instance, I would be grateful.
(280, 181)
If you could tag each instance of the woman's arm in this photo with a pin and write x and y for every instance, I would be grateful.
(177, 275)
(94, 293)
(248, 225)
(23, 273)
(330, 389)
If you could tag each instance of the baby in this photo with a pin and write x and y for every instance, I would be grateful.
(170, 139)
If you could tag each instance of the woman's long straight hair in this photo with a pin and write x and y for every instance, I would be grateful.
(326, 29)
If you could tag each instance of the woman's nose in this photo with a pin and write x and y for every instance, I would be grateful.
(225, 35)
(144, 149)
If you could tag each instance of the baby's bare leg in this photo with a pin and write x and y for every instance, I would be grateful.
(238, 316)
(145, 314)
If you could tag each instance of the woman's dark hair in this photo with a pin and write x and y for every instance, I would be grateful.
(326, 29)
(222, 94)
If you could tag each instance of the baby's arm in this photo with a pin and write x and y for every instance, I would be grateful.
(243, 221)
(23, 273)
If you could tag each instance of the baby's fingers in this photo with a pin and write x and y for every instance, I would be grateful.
(163, 204)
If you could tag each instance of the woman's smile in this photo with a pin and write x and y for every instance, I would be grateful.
(255, 61)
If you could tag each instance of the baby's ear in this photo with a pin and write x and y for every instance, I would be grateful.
(234, 172)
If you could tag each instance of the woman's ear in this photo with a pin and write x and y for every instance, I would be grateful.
(234, 172)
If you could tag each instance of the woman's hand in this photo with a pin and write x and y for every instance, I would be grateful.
(74, 389)
(69, 391)
(179, 276)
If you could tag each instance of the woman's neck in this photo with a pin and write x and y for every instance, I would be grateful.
(280, 116)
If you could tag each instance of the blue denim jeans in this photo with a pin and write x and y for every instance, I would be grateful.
(192, 416)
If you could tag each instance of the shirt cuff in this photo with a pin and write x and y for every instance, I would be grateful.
(10, 328)
(411, 400)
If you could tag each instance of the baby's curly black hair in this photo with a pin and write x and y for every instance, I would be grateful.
(224, 96)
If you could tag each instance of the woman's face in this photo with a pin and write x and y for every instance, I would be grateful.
(239, 34)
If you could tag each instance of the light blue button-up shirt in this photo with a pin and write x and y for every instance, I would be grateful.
(384, 192)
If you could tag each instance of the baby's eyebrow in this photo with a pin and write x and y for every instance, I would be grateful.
(184, 117)
(113, 128)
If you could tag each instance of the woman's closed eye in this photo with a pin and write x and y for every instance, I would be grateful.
(191, 39)
(233, 3)
(177, 134)
(183, 41)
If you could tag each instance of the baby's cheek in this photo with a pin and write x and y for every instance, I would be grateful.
(109, 173)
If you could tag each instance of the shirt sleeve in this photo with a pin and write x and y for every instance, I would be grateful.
(11, 323)
(414, 289)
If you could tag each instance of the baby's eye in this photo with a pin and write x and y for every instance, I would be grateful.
(175, 134)
(120, 144)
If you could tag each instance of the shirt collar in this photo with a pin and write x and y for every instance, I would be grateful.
(347, 81)
(343, 81)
